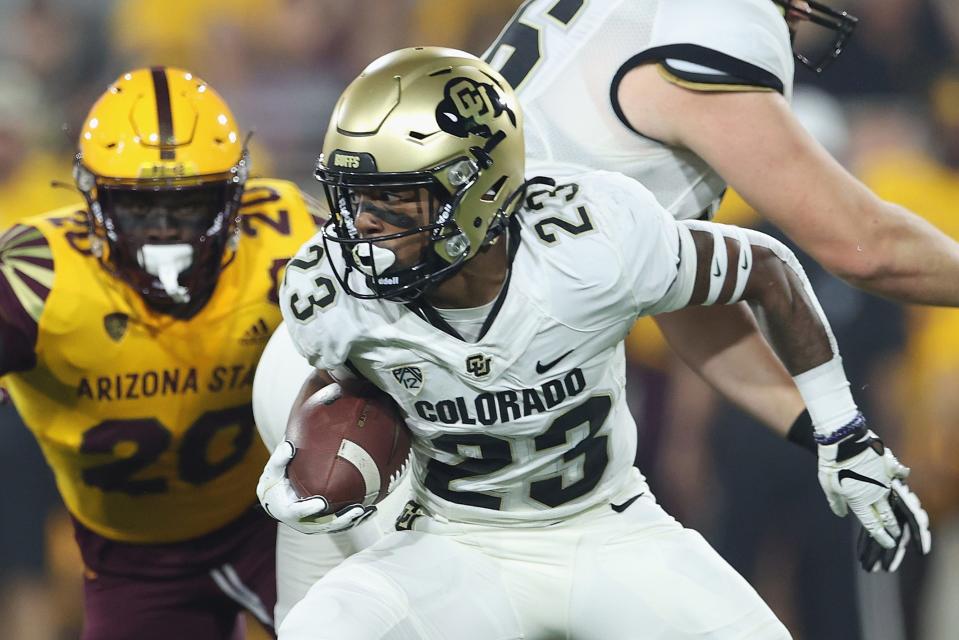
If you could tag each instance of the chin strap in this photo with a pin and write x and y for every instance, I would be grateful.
(502, 217)
(167, 262)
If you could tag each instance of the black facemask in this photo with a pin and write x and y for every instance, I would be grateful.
(841, 23)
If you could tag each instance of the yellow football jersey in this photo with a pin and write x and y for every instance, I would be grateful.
(145, 418)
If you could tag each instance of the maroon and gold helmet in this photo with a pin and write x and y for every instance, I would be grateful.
(162, 167)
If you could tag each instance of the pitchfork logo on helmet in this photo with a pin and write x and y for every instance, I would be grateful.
(431, 128)
(162, 168)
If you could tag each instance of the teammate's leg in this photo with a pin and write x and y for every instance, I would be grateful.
(408, 586)
(303, 559)
(639, 574)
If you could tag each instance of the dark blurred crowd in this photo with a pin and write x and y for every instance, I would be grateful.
(888, 109)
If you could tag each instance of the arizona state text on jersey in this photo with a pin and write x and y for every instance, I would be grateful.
(142, 416)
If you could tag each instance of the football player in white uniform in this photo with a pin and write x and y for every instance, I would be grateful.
(509, 300)
(687, 96)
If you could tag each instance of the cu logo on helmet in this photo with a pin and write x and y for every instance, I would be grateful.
(472, 101)
(477, 365)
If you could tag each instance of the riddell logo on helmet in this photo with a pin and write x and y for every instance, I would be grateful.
(388, 281)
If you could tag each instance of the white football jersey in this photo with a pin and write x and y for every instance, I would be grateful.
(528, 424)
(566, 58)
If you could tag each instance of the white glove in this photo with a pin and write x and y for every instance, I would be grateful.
(856, 473)
(915, 533)
(306, 515)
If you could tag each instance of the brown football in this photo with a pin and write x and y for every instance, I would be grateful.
(348, 451)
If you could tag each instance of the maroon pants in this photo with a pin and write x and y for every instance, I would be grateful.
(186, 590)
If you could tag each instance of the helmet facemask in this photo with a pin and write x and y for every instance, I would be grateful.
(841, 23)
(351, 193)
(167, 238)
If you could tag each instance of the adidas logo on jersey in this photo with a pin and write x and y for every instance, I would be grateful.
(259, 333)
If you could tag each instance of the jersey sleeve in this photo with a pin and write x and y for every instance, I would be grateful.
(313, 307)
(654, 250)
(26, 278)
(721, 45)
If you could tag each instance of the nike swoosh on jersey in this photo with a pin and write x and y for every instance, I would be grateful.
(619, 508)
(543, 368)
(846, 473)
(718, 272)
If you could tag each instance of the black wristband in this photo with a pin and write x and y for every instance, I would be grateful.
(801, 432)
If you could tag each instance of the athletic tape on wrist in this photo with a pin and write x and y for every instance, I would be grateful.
(825, 390)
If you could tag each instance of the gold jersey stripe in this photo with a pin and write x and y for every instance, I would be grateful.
(707, 86)
(18, 235)
(27, 297)
(19, 253)
(39, 273)
(26, 252)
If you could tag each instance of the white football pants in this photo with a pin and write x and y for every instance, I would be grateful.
(602, 575)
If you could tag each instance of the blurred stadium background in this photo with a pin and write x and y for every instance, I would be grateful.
(888, 109)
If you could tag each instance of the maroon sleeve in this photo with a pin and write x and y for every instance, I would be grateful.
(26, 277)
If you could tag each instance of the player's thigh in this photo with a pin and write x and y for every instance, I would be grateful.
(303, 559)
(408, 586)
(643, 576)
(119, 608)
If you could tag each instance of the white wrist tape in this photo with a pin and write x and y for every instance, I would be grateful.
(828, 399)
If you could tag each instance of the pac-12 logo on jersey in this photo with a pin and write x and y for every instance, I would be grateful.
(410, 377)
(477, 365)
(116, 325)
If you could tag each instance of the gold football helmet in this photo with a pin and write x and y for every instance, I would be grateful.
(162, 168)
(422, 119)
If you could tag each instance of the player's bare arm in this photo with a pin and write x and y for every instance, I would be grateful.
(735, 359)
(733, 264)
(726, 266)
(755, 143)
(721, 264)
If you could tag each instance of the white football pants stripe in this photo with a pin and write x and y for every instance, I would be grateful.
(227, 579)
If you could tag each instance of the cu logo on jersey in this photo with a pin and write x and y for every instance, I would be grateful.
(477, 365)
(470, 107)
